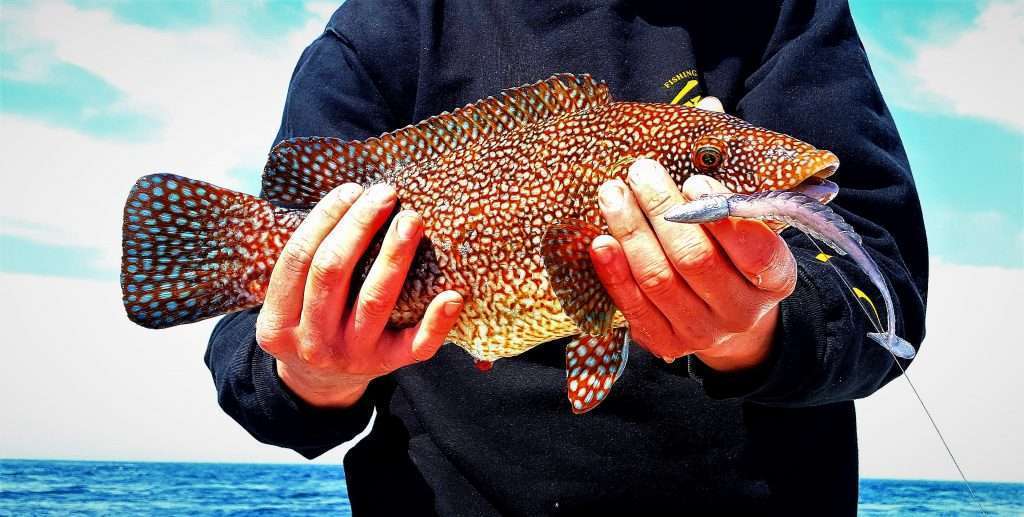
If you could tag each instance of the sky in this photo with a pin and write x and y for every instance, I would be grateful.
(94, 93)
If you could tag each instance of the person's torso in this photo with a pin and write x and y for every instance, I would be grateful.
(506, 441)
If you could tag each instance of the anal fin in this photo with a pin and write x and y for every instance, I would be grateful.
(592, 365)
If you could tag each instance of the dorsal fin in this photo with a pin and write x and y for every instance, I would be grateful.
(300, 171)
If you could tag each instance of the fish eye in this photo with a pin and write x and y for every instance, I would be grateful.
(707, 157)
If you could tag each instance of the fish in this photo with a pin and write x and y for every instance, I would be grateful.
(506, 188)
(817, 221)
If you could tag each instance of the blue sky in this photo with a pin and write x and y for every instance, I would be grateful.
(95, 93)
(968, 166)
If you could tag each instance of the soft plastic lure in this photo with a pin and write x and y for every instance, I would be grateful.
(817, 221)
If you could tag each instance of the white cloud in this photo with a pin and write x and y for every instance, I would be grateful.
(218, 93)
(82, 382)
(967, 373)
(977, 72)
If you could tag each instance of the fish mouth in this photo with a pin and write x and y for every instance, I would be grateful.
(815, 185)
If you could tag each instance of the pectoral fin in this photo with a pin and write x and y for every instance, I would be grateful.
(592, 365)
(580, 292)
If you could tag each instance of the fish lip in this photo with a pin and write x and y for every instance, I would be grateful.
(827, 164)
(826, 171)
(815, 185)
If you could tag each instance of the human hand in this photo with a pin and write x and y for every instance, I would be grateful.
(709, 289)
(328, 352)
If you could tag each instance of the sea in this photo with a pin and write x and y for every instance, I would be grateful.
(43, 487)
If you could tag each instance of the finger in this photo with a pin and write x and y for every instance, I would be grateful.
(329, 277)
(282, 306)
(419, 343)
(760, 255)
(647, 324)
(648, 264)
(383, 284)
(710, 103)
(688, 247)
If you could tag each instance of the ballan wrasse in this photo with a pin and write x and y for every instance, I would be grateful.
(506, 188)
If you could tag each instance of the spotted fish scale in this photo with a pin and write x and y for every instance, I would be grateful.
(506, 188)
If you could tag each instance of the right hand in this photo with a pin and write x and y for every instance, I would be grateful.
(328, 352)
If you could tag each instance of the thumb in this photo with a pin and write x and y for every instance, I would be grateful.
(699, 185)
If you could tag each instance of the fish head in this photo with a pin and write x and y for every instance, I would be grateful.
(746, 159)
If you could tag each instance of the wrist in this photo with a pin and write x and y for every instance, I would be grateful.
(745, 350)
(333, 392)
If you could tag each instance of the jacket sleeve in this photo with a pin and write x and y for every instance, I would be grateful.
(814, 83)
(330, 95)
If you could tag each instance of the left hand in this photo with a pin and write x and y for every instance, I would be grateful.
(709, 289)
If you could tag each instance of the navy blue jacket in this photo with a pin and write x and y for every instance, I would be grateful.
(672, 438)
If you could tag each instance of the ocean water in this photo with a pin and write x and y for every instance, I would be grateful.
(121, 488)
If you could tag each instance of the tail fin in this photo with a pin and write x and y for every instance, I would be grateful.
(192, 250)
(898, 346)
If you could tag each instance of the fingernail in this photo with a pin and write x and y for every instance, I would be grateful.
(408, 224)
(646, 172)
(349, 192)
(382, 193)
(702, 184)
(697, 186)
(603, 252)
(611, 194)
(451, 308)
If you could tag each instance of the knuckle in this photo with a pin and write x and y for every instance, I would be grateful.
(327, 265)
(693, 257)
(374, 304)
(658, 203)
(270, 332)
(296, 256)
(268, 339)
(618, 280)
(391, 262)
(364, 215)
(313, 354)
(636, 312)
(629, 231)
(655, 278)
(326, 210)
(333, 206)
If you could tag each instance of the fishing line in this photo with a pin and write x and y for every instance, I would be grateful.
(874, 318)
